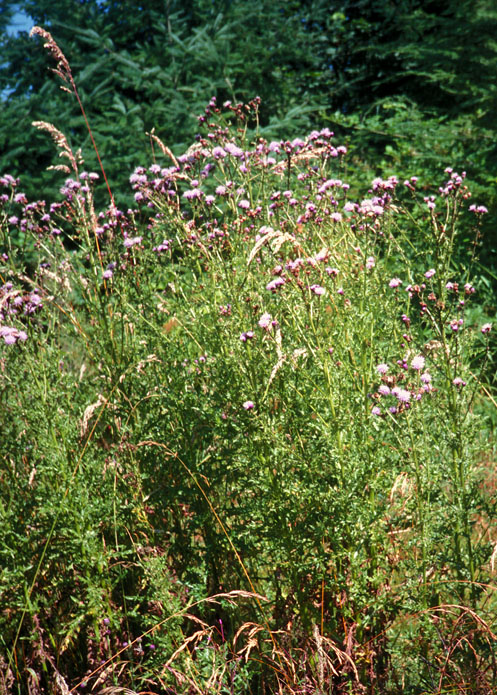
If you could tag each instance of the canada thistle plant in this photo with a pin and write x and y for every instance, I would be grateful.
(256, 386)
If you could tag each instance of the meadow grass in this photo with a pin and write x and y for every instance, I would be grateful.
(245, 440)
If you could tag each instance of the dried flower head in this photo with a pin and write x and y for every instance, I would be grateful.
(61, 142)
(63, 69)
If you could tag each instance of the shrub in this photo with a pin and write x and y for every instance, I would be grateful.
(241, 428)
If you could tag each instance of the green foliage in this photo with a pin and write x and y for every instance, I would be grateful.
(208, 478)
(154, 71)
(410, 82)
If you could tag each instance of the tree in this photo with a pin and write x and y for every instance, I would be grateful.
(157, 69)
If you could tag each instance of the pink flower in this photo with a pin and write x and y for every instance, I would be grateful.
(395, 282)
(233, 150)
(486, 328)
(265, 321)
(192, 194)
(248, 405)
(218, 153)
(402, 395)
(274, 284)
(370, 207)
(12, 335)
(376, 411)
(418, 363)
(370, 262)
(382, 368)
(129, 242)
(430, 273)
(458, 381)
(317, 289)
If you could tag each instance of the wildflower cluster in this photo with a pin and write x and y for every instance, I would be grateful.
(16, 306)
(266, 348)
(398, 392)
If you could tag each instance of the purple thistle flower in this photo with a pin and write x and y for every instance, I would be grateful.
(402, 395)
(382, 368)
(218, 153)
(132, 241)
(265, 321)
(12, 335)
(8, 180)
(248, 405)
(192, 194)
(375, 410)
(332, 271)
(418, 363)
(486, 328)
(371, 207)
(233, 150)
(478, 209)
(456, 324)
(395, 282)
(274, 284)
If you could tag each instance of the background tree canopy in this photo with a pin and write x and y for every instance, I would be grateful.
(410, 84)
